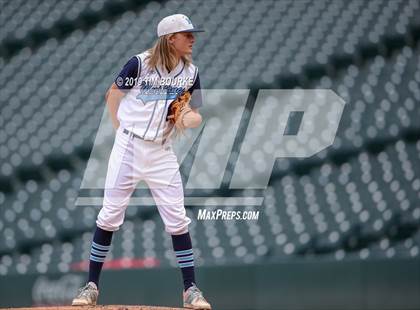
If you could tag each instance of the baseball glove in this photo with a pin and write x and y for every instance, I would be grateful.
(177, 110)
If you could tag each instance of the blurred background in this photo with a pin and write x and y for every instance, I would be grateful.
(338, 230)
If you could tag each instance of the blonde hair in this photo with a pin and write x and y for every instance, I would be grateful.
(163, 53)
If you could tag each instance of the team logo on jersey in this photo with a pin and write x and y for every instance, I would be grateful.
(148, 92)
(161, 89)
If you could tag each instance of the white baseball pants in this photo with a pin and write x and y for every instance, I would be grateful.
(132, 160)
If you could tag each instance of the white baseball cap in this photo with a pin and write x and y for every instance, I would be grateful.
(176, 23)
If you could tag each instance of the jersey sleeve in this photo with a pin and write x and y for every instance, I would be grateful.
(196, 96)
(126, 79)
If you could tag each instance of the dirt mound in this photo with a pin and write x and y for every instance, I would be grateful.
(108, 307)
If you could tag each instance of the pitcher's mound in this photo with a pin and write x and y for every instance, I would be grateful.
(99, 307)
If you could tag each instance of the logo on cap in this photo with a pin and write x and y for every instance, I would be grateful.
(188, 20)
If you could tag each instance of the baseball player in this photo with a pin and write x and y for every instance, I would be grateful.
(138, 102)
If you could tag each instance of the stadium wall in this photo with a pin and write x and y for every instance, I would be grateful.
(373, 284)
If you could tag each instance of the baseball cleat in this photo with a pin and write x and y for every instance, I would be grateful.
(87, 295)
(193, 299)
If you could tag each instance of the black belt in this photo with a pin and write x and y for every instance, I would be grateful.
(132, 134)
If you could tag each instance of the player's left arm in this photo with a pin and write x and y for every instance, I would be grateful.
(193, 119)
